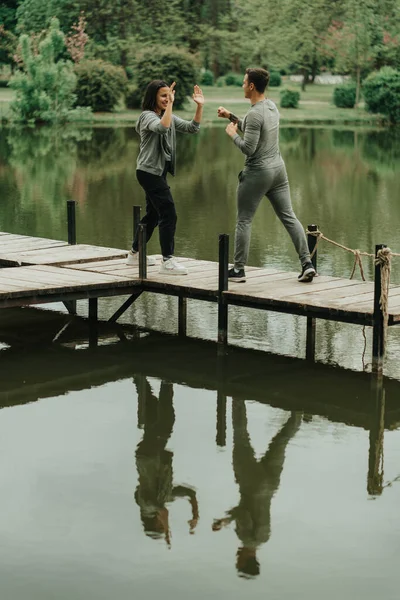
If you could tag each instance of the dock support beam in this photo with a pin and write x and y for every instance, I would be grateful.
(71, 223)
(93, 322)
(182, 317)
(114, 318)
(378, 336)
(222, 287)
(311, 321)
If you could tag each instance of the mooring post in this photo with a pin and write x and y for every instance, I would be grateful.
(312, 242)
(142, 252)
(136, 219)
(311, 322)
(182, 317)
(71, 224)
(71, 219)
(378, 335)
(222, 287)
(93, 322)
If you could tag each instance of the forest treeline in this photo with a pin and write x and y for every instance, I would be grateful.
(292, 36)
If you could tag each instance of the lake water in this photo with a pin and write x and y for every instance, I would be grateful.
(145, 468)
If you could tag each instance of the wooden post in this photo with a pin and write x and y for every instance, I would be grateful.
(71, 218)
(71, 223)
(223, 286)
(312, 242)
(311, 322)
(376, 437)
(378, 336)
(93, 309)
(182, 317)
(136, 219)
(142, 252)
(93, 322)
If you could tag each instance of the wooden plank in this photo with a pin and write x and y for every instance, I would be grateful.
(69, 254)
(19, 246)
(288, 289)
(43, 272)
(76, 275)
(21, 240)
(43, 289)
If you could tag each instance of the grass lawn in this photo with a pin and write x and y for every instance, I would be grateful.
(315, 107)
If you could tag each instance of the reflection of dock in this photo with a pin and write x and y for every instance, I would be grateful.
(70, 363)
(73, 363)
(54, 271)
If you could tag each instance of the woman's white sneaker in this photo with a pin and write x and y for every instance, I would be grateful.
(133, 260)
(171, 267)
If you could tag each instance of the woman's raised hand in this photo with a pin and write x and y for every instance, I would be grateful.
(198, 95)
(171, 96)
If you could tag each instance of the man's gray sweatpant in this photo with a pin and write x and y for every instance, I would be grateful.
(253, 186)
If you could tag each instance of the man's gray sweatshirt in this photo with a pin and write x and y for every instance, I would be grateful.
(260, 142)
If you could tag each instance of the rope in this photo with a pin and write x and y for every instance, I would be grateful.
(357, 253)
(384, 258)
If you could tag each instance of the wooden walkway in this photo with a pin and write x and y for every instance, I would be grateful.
(53, 270)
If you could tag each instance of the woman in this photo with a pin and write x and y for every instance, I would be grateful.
(157, 127)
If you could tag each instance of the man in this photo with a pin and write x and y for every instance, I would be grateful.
(258, 482)
(264, 174)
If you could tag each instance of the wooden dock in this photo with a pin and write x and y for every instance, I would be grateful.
(40, 270)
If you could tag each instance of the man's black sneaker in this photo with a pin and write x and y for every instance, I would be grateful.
(237, 276)
(307, 273)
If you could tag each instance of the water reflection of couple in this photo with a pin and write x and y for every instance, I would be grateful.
(154, 464)
(258, 481)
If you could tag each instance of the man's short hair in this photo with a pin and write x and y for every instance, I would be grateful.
(259, 77)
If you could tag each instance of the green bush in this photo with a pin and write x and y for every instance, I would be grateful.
(100, 84)
(170, 64)
(290, 99)
(207, 78)
(133, 97)
(129, 73)
(344, 96)
(275, 79)
(381, 92)
(44, 85)
(220, 82)
(234, 79)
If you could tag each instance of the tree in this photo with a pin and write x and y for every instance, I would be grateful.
(351, 40)
(45, 84)
(8, 46)
(303, 27)
(8, 14)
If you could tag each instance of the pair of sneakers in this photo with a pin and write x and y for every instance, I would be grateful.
(307, 274)
(168, 267)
